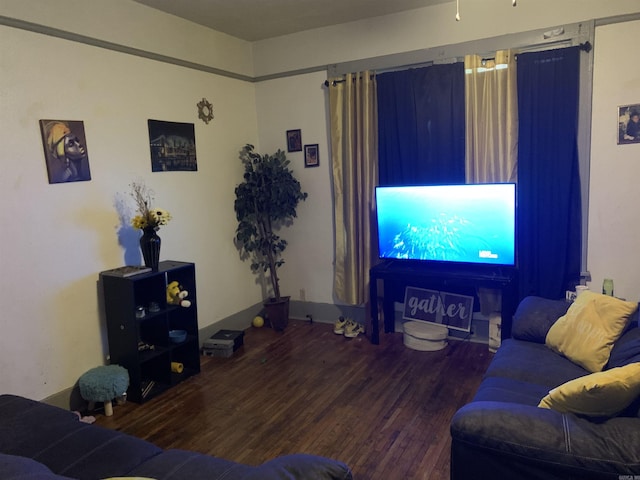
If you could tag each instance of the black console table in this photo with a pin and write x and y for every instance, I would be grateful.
(398, 274)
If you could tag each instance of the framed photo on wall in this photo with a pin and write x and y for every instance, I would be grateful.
(173, 146)
(294, 140)
(629, 124)
(311, 156)
(65, 150)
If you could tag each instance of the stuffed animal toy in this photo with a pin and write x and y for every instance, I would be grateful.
(176, 295)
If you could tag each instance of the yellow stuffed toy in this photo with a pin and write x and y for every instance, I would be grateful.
(176, 295)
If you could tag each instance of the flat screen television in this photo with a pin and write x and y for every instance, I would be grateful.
(471, 224)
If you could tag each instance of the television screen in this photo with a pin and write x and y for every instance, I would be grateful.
(473, 224)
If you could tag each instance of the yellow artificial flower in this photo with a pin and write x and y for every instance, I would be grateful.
(147, 217)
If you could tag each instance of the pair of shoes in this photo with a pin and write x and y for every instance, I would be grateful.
(353, 329)
(347, 327)
(338, 327)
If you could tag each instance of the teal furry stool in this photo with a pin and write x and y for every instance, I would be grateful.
(103, 384)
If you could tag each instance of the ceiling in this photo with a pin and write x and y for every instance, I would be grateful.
(260, 19)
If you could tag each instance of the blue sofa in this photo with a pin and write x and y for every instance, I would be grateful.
(503, 434)
(42, 442)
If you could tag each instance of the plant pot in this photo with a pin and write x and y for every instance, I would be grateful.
(277, 311)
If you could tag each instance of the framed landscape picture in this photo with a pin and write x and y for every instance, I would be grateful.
(173, 146)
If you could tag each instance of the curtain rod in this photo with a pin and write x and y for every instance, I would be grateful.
(585, 47)
(333, 83)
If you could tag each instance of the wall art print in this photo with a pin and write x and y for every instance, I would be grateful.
(294, 140)
(629, 124)
(65, 150)
(311, 155)
(173, 146)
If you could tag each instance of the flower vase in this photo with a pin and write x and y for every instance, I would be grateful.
(150, 246)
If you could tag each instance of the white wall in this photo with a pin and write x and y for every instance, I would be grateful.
(614, 215)
(55, 239)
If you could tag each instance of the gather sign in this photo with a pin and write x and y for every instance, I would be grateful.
(450, 309)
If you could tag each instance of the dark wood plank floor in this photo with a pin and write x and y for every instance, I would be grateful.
(384, 410)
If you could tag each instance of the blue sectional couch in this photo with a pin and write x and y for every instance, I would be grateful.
(503, 434)
(42, 442)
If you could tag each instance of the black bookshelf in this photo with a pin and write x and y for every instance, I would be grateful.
(138, 324)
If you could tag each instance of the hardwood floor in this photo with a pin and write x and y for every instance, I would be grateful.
(384, 410)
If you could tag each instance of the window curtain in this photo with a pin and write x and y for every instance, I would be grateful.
(549, 220)
(354, 151)
(491, 118)
(421, 125)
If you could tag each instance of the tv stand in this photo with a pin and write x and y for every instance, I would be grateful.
(396, 275)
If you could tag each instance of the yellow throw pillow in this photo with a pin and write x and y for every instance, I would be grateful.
(587, 332)
(601, 394)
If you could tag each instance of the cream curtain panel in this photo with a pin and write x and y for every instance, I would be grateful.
(491, 118)
(354, 152)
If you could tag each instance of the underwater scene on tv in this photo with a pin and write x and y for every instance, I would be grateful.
(448, 223)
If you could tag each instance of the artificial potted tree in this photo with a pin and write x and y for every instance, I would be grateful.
(265, 201)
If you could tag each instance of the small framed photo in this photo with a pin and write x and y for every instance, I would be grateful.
(629, 124)
(294, 141)
(311, 156)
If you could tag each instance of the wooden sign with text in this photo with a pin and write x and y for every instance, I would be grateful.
(450, 309)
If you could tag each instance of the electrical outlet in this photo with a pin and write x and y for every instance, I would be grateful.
(570, 295)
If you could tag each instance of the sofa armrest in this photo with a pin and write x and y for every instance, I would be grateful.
(559, 441)
(535, 316)
(187, 465)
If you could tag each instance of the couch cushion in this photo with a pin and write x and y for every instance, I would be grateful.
(534, 317)
(532, 363)
(509, 390)
(601, 394)
(587, 332)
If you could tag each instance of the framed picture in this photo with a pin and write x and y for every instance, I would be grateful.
(173, 146)
(311, 157)
(294, 141)
(65, 150)
(629, 124)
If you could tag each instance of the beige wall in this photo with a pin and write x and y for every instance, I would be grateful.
(56, 238)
